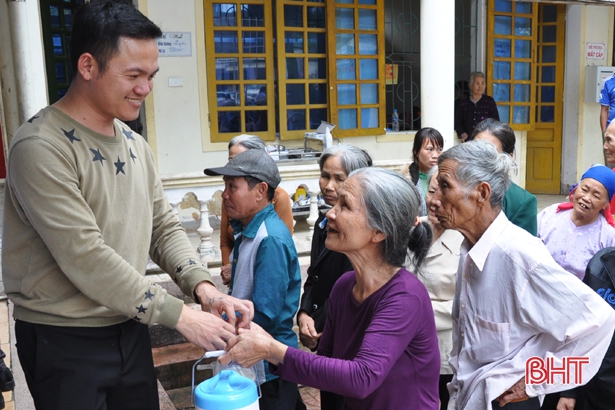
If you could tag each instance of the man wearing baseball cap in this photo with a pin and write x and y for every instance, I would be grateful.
(265, 265)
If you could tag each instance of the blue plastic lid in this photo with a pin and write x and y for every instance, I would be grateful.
(225, 391)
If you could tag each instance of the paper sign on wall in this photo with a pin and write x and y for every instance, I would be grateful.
(174, 44)
(595, 51)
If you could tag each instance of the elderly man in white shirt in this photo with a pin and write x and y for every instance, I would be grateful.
(512, 300)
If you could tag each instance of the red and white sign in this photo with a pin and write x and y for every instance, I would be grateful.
(595, 51)
(538, 371)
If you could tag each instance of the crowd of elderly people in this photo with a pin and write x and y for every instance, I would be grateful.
(424, 291)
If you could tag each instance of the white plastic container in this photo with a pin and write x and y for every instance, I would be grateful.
(226, 391)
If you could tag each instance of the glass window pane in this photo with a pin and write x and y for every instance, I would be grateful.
(369, 93)
(501, 70)
(318, 93)
(316, 17)
(55, 16)
(344, 44)
(229, 121)
(225, 42)
(256, 120)
(521, 115)
(346, 94)
(295, 119)
(367, 2)
(317, 115)
(504, 112)
(255, 94)
(522, 92)
(67, 38)
(68, 19)
(503, 25)
(344, 1)
(348, 119)
(344, 18)
(523, 26)
(549, 13)
(523, 48)
(228, 95)
(547, 94)
(317, 68)
(294, 68)
(547, 114)
(346, 69)
(522, 71)
(367, 19)
(548, 74)
(295, 94)
(548, 54)
(254, 42)
(525, 8)
(227, 69)
(58, 46)
(254, 69)
(61, 73)
(368, 69)
(293, 16)
(317, 43)
(549, 34)
(369, 117)
(253, 15)
(224, 15)
(502, 48)
(368, 44)
(501, 92)
(503, 6)
(293, 41)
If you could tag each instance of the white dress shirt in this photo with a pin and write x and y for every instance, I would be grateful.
(513, 302)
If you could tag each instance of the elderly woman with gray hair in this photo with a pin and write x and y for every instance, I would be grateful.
(281, 204)
(379, 348)
(474, 109)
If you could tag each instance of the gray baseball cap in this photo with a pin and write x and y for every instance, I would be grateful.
(254, 163)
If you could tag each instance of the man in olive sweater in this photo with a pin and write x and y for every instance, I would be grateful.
(84, 207)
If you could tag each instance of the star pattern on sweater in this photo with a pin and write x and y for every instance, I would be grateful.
(97, 156)
(179, 269)
(70, 135)
(141, 309)
(33, 118)
(119, 166)
(132, 156)
(191, 262)
(149, 295)
(137, 318)
(128, 134)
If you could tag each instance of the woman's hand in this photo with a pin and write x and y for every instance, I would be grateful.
(464, 137)
(252, 346)
(514, 394)
(307, 332)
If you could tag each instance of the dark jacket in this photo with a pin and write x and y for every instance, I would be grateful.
(326, 267)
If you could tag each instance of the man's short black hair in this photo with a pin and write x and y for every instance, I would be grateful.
(252, 182)
(99, 26)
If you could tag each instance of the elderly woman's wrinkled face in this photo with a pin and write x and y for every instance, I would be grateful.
(427, 157)
(347, 228)
(431, 190)
(589, 199)
(235, 150)
(452, 208)
(331, 178)
(478, 86)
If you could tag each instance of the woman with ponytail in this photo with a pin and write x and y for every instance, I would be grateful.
(379, 348)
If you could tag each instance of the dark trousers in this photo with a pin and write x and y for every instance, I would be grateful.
(88, 368)
(330, 401)
(531, 404)
(443, 390)
(279, 394)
